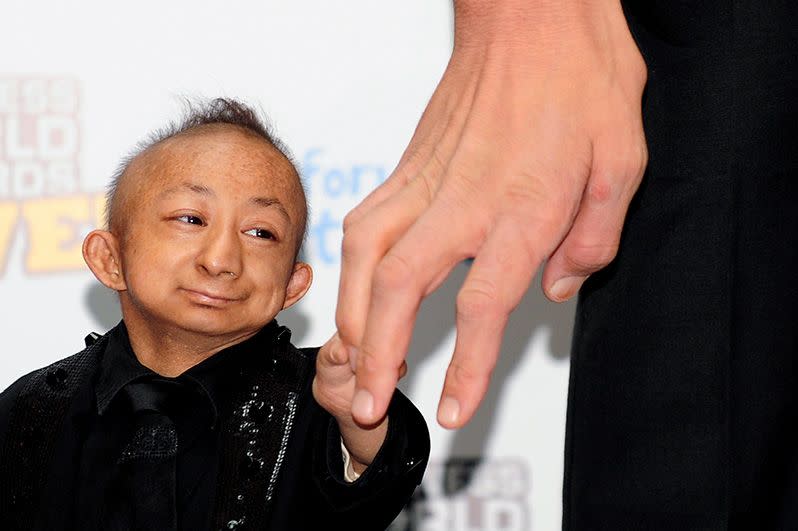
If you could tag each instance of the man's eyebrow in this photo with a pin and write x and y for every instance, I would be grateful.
(263, 202)
(266, 202)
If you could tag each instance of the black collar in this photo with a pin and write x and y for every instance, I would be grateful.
(214, 378)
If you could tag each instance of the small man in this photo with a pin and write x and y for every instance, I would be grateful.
(196, 412)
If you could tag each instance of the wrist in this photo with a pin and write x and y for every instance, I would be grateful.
(362, 443)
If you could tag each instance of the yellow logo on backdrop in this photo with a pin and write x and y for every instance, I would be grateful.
(53, 228)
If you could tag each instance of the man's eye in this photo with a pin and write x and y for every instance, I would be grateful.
(194, 220)
(261, 233)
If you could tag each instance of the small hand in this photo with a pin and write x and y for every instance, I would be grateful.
(333, 389)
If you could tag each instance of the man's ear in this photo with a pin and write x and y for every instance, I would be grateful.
(101, 253)
(299, 284)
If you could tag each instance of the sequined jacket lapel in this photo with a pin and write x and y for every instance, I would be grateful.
(255, 437)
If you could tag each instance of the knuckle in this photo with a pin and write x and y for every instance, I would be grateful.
(369, 363)
(585, 258)
(546, 201)
(618, 179)
(466, 375)
(351, 219)
(393, 272)
(355, 241)
(477, 300)
(627, 173)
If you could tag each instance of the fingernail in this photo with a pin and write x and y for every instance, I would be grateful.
(363, 405)
(353, 358)
(448, 411)
(565, 288)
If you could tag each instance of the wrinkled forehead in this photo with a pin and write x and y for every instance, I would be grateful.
(216, 157)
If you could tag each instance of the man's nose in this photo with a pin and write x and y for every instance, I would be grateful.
(221, 253)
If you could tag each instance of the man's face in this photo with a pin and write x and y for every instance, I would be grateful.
(209, 234)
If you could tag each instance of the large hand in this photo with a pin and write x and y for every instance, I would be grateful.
(529, 150)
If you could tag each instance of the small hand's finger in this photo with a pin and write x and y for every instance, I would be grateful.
(593, 240)
(332, 365)
(401, 280)
(364, 246)
(499, 277)
(333, 352)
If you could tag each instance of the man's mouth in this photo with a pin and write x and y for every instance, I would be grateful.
(210, 298)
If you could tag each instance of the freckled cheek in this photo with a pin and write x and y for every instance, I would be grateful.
(268, 294)
(153, 272)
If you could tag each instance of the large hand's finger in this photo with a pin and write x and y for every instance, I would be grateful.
(368, 238)
(364, 245)
(593, 240)
(415, 266)
(499, 277)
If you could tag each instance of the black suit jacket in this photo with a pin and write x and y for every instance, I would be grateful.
(310, 492)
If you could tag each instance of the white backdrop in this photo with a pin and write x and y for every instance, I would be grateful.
(344, 84)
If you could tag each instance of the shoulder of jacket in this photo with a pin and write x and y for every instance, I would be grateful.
(59, 374)
(32, 412)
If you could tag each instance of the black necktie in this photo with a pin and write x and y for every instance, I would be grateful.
(144, 494)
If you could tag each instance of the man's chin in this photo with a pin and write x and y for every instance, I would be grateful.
(197, 320)
(211, 327)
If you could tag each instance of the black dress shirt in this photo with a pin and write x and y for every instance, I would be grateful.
(207, 384)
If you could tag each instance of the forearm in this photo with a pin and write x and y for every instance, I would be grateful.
(531, 25)
(491, 15)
